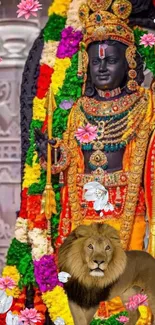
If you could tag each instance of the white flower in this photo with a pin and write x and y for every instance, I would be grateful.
(98, 193)
(63, 276)
(39, 242)
(12, 319)
(59, 321)
(21, 230)
(5, 302)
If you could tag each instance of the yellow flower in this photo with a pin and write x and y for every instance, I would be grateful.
(12, 272)
(49, 53)
(60, 308)
(59, 7)
(39, 110)
(60, 67)
(13, 292)
(32, 173)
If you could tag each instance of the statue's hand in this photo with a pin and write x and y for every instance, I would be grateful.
(63, 277)
(41, 144)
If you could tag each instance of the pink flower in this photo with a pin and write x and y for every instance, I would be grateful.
(147, 40)
(7, 283)
(28, 7)
(29, 316)
(136, 301)
(123, 319)
(86, 134)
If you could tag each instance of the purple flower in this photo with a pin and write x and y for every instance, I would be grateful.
(45, 271)
(66, 104)
(69, 43)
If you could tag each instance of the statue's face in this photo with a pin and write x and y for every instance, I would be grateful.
(109, 72)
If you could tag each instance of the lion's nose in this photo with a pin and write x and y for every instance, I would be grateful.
(98, 262)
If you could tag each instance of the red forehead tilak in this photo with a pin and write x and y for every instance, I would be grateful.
(102, 48)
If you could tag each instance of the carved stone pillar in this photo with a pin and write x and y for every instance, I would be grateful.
(16, 38)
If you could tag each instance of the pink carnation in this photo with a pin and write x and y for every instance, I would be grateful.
(7, 283)
(29, 316)
(147, 40)
(123, 319)
(86, 134)
(136, 301)
(28, 7)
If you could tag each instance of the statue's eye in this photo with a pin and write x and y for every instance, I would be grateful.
(95, 61)
(112, 60)
(90, 246)
(107, 248)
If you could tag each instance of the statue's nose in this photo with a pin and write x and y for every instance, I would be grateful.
(102, 66)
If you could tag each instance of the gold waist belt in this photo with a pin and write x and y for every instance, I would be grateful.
(119, 178)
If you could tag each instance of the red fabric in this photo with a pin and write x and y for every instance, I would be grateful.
(65, 218)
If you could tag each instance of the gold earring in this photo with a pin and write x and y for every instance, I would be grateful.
(130, 56)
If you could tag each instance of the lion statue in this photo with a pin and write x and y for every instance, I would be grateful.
(100, 270)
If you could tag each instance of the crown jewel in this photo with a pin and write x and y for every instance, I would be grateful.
(102, 24)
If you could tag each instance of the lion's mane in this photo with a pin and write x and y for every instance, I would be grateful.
(71, 259)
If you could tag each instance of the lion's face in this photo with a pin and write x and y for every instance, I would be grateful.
(97, 253)
(93, 255)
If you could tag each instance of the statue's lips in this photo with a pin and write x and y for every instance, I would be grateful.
(103, 76)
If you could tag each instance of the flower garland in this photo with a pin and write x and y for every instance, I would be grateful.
(59, 8)
(30, 242)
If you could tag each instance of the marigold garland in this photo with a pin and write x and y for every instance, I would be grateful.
(43, 84)
(39, 111)
(59, 7)
(36, 219)
(60, 307)
(39, 305)
(58, 77)
(19, 303)
(12, 272)
(32, 173)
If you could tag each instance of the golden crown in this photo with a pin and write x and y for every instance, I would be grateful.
(100, 24)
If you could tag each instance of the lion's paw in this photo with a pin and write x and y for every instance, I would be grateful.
(63, 277)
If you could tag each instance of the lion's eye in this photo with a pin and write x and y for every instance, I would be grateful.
(107, 248)
(90, 246)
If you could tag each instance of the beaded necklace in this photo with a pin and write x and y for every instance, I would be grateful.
(116, 131)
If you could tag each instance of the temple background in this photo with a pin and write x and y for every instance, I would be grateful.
(16, 39)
